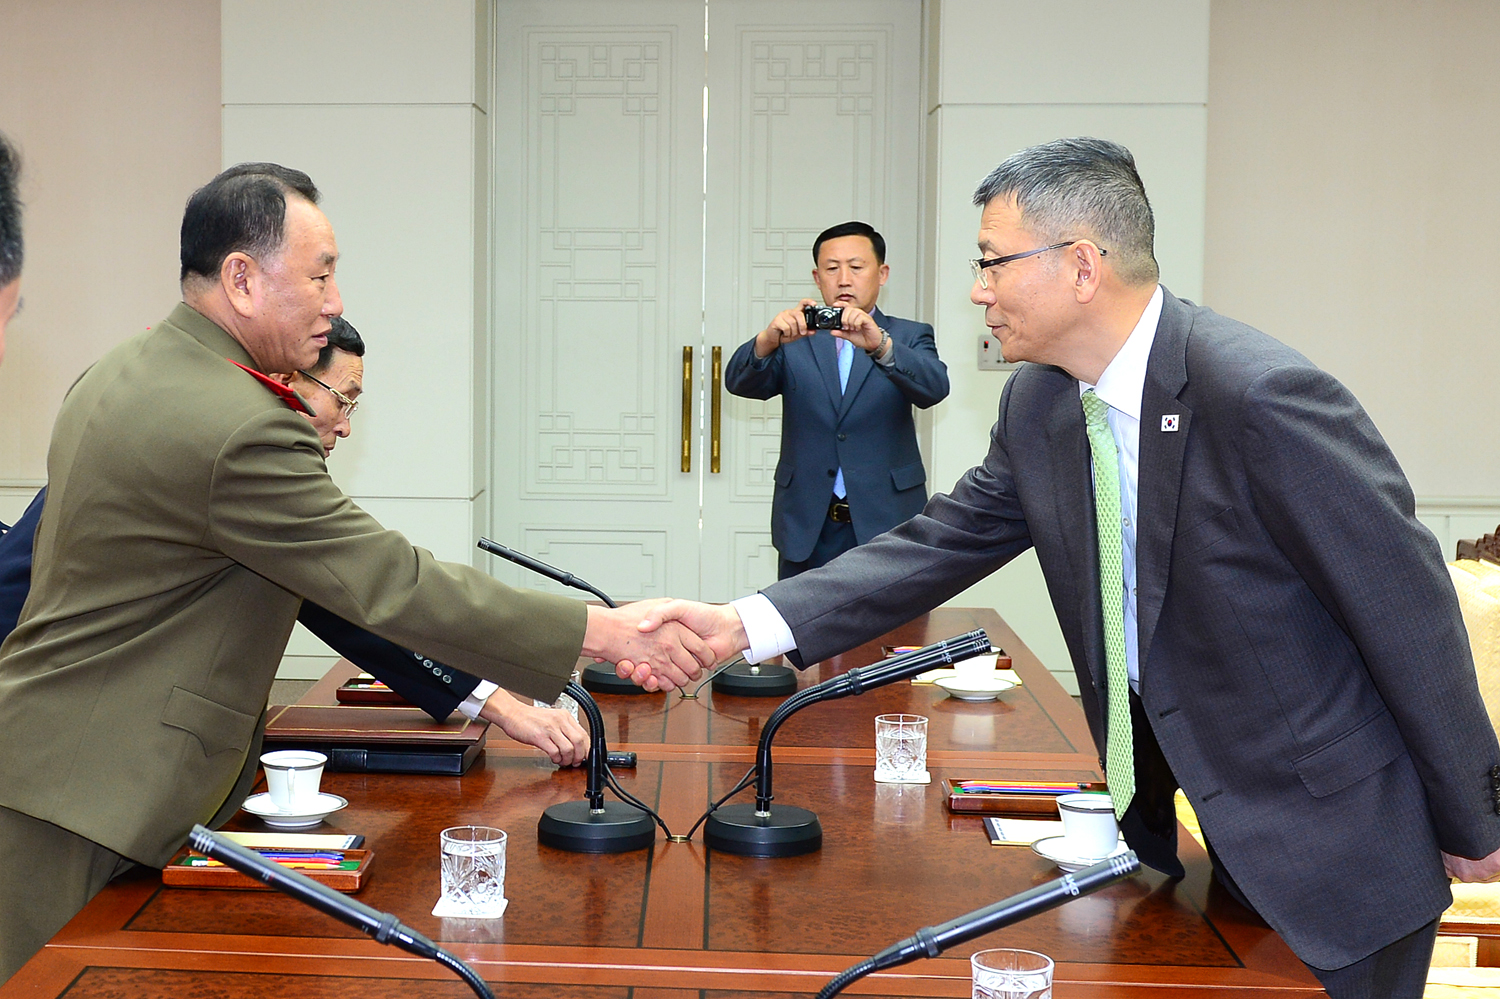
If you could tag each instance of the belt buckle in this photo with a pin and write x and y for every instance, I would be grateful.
(838, 512)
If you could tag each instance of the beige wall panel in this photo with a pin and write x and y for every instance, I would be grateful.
(1352, 201)
(115, 106)
(354, 51)
(443, 526)
(398, 185)
(1089, 52)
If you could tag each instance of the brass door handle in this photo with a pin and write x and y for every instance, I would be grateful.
(687, 409)
(715, 407)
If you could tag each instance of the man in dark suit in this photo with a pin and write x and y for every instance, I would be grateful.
(1251, 606)
(849, 466)
(332, 386)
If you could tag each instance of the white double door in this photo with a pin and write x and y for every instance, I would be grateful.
(661, 169)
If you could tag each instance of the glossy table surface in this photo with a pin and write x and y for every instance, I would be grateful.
(679, 920)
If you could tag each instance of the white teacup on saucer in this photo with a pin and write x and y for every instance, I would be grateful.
(1089, 824)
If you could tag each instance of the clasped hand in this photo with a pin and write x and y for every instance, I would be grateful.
(667, 655)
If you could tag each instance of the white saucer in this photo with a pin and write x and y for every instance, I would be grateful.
(974, 686)
(1055, 849)
(260, 805)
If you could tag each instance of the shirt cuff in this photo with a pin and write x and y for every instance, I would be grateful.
(765, 628)
(474, 703)
(889, 360)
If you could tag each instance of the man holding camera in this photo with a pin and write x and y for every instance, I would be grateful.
(848, 376)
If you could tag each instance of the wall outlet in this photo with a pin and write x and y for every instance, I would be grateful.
(990, 358)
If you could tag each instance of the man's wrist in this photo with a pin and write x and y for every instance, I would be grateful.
(882, 351)
(473, 706)
(766, 342)
(765, 631)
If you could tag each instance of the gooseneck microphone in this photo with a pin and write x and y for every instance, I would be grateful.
(787, 831)
(383, 926)
(594, 825)
(930, 941)
(599, 679)
(541, 568)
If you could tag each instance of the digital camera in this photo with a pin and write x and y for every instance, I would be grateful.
(823, 317)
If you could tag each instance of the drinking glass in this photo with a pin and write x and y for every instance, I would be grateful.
(1011, 974)
(900, 747)
(473, 860)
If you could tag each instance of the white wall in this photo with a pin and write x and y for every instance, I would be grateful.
(115, 107)
(1352, 207)
(1006, 75)
(385, 105)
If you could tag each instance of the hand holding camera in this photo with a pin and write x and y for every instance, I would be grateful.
(846, 322)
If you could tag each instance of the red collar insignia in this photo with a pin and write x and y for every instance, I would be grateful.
(285, 393)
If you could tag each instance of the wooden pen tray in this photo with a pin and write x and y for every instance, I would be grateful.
(1021, 805)
(178, 875)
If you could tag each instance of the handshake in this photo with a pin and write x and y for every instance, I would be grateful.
(663, 644)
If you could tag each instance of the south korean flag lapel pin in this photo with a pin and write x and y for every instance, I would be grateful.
(1169, 423)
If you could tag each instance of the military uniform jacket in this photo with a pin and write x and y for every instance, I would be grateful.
(189, 511)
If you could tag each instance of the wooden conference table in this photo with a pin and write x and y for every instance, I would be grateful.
(679, 921)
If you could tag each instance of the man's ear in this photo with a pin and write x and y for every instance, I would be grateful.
(238, 276)
(284, 378)
(1087, 270)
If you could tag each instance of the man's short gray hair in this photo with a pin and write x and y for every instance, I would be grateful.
(1081, 189)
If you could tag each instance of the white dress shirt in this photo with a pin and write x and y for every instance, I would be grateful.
(470, 706)
(1121, 385)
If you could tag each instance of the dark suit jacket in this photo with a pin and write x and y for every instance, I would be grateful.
(15, 564)
(867, 429)
(1303, 662)
(430, 685)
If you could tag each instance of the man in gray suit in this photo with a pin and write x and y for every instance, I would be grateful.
(849, 466)
(1250, 604)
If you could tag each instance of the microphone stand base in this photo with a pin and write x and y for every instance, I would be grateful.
(601, 679)
(768, 680)
(787, 832)
(572, 826)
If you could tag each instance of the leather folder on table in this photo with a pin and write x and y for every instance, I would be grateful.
(378, 739)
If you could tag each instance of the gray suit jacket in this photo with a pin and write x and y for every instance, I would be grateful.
(867, 429)
(1303, 662)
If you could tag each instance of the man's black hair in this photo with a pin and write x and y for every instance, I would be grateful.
(11, 247)
(343, 337)
(852, 229)
(241, 210)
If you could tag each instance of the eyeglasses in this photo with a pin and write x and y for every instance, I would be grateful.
(347, 406)
(980, 265)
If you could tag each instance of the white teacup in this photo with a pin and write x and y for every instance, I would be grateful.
(292, 778)
(981, 665)
(1089, 824)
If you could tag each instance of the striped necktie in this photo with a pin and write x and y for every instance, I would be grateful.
(1119, 755)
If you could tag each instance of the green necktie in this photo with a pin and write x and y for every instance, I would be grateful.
(1119, 762)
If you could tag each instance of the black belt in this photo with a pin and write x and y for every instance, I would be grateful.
(838, 511)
